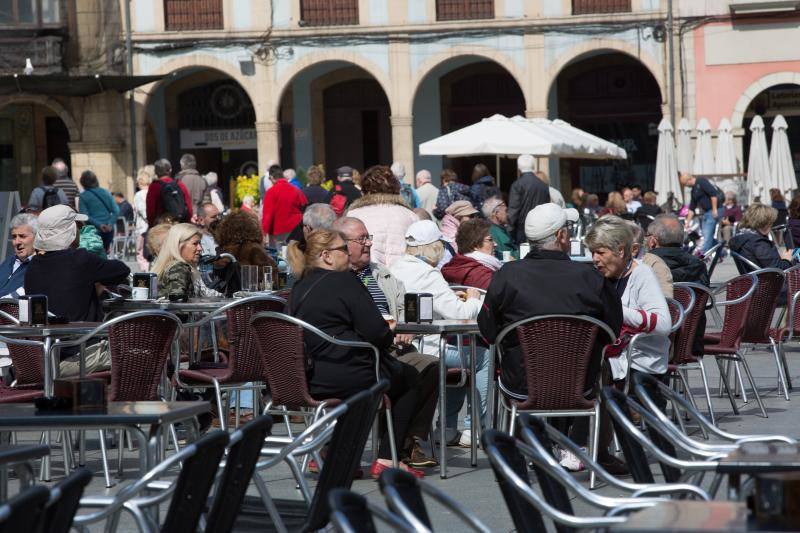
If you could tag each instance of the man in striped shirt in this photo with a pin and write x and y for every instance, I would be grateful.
(65, 183)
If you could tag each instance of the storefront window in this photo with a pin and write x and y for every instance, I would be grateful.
(29, 12)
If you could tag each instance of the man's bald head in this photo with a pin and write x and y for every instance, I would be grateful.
(666, 230)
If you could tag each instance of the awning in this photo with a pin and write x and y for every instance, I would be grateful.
(65, 85)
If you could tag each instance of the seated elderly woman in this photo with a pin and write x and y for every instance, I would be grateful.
(239, 234)
(752, 241)
(416, 270)
(644, 307)
(331, 297)
(475, 262)
(176, 265)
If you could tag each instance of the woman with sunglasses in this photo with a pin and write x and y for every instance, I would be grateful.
(330, 296)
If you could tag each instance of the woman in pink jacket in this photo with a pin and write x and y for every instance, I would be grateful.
(385, 214)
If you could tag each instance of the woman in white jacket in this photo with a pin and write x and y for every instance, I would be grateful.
(417, 271)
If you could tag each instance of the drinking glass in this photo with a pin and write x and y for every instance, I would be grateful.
(267, 277)
(249, 275)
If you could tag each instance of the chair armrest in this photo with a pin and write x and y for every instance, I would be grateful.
(672, 488)
(764, 438)
(629, 508)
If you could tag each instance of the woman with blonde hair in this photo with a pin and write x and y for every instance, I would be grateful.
(330, 296)
(752, 239)
(615, 205)
(144, 178)
(176, 265)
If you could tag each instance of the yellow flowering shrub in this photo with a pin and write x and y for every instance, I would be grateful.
(247, 186)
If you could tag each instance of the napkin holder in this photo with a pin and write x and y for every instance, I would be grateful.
(145, 286)
(418, 307)
(33, 310)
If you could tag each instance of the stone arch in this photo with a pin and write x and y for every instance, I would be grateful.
(325, 56)
(52, 104)
(194, 61)
(488, 54)
(577, 52)
(755, 88)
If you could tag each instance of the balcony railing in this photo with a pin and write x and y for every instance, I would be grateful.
(328, 12)
(464, 9)
(30, 13)
(193, 15)
(593, 7)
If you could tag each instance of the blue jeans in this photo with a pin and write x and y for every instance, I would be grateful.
(708, 228)
(455, 396)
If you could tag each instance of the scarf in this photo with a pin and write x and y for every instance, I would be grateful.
(489, 261)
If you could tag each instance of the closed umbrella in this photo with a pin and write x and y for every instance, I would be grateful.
(758, 175)
(780, 158)
(725, 160)
(704, 154)
(684, 141)
(666, 182)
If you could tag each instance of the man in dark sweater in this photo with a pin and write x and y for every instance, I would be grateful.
(526, 193)
(69, 277)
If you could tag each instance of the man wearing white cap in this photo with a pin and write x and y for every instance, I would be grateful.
(68, 275)
(546, 282)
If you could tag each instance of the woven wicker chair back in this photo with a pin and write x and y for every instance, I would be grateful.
(684, 337)
(556, 354)
(735, 315)
(244, 359)
(139, 348)
(28, 361)
(762, 307)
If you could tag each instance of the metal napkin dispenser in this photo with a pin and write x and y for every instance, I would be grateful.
(33, 310)
(418, 307)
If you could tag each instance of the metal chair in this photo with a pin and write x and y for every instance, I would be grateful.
(63, 503)
(280, 340)
(712, 257)
(27, 358)
(507, 456)
(403, 493)
(353, 513)
(693, 297)
(23, 511)
(725, 344)
(541, 435)
(198, 462)
(244, 369)
(743, 264)
(783, 334)
(123, 245)
(557, 350)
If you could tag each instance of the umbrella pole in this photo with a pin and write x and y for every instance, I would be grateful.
(497, 163)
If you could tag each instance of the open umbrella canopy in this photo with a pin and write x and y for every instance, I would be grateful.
(500, 135)
(684, 141)
(758, 174)
(780, 158)
(666, 182)
(703, 154)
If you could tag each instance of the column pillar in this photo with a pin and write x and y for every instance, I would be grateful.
(268, 140)
(106, 159)
(403, 144)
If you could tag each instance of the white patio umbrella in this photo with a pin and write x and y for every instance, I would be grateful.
(780, 158)
(703, 154)
(758, 175)
(684, 149)
(725, 160)
(666, 182)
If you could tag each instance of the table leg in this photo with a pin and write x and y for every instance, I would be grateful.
(490, 391)
(733, 487)
(144, 448)
(475, 403)
(48, 366)
(442, 406)
(3, 483)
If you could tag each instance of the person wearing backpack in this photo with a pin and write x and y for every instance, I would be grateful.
(46, 195)
(98, 204)
(344, 192)
(165, 196)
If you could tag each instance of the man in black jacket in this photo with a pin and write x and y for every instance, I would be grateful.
(547, 282)
(665, 239)
(526, 193)
(69, 277)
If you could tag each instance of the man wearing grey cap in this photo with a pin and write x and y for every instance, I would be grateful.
(547, 282)
(69, 276)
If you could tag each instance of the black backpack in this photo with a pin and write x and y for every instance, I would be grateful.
(173, 201)
(50, 197)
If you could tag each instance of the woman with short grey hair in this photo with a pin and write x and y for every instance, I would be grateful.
(644, 307)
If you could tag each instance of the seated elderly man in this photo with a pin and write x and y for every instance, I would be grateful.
(562, 287)
(12, 270)
(495, 211)
(69, 277)
(316, 216)
(388, 294)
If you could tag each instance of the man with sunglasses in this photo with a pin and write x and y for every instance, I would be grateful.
(388, 292)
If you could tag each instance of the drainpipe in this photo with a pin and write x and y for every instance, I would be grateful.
(131, 100)
(671, 62)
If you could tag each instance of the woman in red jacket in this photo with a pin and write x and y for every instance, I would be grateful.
(475, 263)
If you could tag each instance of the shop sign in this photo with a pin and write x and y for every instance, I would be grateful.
(238, 139)
(784, 98)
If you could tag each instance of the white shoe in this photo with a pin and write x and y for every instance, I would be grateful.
(571, 462)
(465, 441)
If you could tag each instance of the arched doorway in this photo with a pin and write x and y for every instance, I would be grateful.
(614, 96)
(457, 93)
(783, 99)
(206, 113)
(335, 113)
(31, 136)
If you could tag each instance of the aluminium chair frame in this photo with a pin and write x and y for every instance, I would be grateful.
(343, 524)
(593, 413)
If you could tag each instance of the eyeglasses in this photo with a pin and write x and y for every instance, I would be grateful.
(364, 239)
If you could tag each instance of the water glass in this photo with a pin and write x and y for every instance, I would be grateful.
(267, 277)
(249, 275)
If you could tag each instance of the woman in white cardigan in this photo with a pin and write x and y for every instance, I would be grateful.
(644, 307)
(417, 271)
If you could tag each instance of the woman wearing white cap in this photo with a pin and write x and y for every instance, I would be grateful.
(417, 271)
